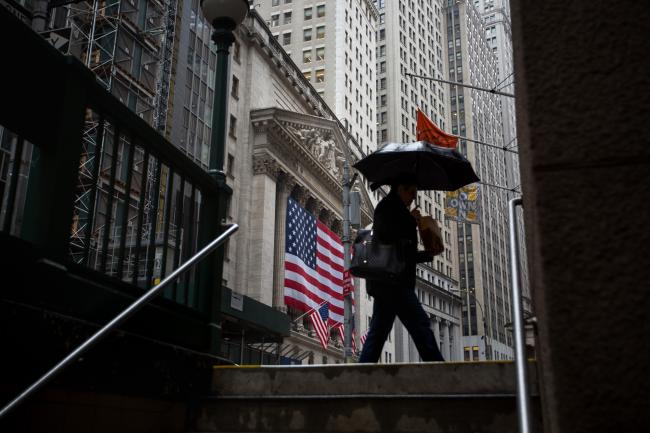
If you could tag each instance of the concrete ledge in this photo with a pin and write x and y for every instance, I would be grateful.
(462, 415)
(393, 380)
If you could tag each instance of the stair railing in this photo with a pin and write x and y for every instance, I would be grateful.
(523, 403)
(131, 309)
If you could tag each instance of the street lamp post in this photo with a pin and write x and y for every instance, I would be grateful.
(348, 182)
(225, 16)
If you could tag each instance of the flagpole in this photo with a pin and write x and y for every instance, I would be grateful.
(304, 314)
(455, 83)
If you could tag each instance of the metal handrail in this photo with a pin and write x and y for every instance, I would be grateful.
(120, 318)
(523, 403)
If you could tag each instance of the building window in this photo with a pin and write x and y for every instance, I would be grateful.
(306, 35)
(320, 11)
(308, 13)
(234, 91)
(275, 2)
(230, 166)
(320, 75)
(287, 1)
(306, 56)
(475, 353)
(382, 51)
(320, 53)
(320, 32)
(236, 52)
(467, 354)
(287, 17)
(286, 38)
(232, 130)
(307, 75)
(382, 34)
(275, 20)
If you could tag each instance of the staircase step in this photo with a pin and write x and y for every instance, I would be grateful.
(472, 397)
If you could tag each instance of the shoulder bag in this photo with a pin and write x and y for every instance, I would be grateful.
(373, 260)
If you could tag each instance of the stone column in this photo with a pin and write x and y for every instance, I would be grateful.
(301, 196)
(262, 230)
(285, 185)
(318, 207)
(436, 329)
(444, 339)
(458, 342)
(448, 329)
(326, 217)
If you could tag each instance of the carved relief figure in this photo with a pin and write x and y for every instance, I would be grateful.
(323, 147)
(307, 136)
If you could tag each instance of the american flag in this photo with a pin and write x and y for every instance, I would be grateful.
(363, 338)
(341, 329)
(319, 320)
(313, 264)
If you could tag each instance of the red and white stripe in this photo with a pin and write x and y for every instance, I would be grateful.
(321, 328)
(306, 288)
(363, 338)
(341, 329)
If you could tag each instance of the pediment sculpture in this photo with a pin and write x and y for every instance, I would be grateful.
(322, 146)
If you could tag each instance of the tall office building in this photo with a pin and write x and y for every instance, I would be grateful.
(482, 248)
(498, 35)
(333, 44)
(411, 40)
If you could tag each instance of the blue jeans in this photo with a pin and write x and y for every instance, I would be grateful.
(405, 305)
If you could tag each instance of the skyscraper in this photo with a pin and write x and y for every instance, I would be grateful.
(411, 40)
(482, 248)
(498, 35)
(333, 44)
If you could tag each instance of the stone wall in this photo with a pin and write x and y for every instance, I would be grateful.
(583, 101)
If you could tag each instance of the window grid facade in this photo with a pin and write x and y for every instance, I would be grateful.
(347, 82)
(482, 249)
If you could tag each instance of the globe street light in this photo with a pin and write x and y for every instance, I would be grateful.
(225, 16)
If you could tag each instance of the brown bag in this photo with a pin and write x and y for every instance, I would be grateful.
(430, 235)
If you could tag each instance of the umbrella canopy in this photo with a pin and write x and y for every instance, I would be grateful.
(434, 167)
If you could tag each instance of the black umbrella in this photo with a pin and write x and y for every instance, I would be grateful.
(434, 167)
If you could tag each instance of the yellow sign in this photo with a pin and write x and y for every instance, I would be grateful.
(462, 205)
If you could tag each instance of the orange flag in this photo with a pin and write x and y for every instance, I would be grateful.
(428, 131)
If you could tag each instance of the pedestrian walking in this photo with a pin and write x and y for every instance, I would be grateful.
(394, 224)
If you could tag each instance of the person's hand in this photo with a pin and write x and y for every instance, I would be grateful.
(416, 214)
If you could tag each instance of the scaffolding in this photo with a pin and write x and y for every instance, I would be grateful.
(128, 44)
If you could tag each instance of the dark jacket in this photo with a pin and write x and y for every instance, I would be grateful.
(394, 224)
